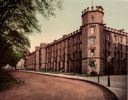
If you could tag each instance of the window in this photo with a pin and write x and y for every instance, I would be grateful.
(92, 52)
(92, 30)
(80, 55)
(115, 54)
(121, 47)
(109, 45)
(121, 54)
(80, 38)
(60, 51)
(68, 41)
(115, 46)
(108, 37)
(68, 56)
(126, 40)
(121, 39)
(115, 38)
(92, 41)
(80, 46)
(93, 62)
(68, 49)
(56, 52)
(73, 39)
(108, 53)
(74, 55)
(74, 48)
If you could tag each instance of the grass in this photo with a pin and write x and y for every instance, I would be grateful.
(6, 81)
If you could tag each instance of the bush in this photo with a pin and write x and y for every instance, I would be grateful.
(93, 73)
(6, 81)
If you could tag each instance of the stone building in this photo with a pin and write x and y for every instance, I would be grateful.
(36, 59)
(30, 61)
(105, 47)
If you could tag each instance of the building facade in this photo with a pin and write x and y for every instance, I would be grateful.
(105, 47)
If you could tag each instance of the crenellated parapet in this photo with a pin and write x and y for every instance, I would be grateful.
(37, 48)
(43, 45)
(97, 8)
(65, 37)
(75, 32)
(116, 31)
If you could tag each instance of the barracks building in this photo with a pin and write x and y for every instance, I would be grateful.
(105, 47)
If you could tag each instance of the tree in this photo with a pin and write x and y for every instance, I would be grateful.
(18, 20)
(93, 67)
(14, 47)
(20, 15)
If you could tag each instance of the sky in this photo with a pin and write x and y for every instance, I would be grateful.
(68, 19)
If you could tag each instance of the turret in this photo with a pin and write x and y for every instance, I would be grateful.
(92, 15)
(92, 37)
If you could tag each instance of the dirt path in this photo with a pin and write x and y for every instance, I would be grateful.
(41, 87)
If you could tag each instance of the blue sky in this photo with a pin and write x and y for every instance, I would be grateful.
(68, 19)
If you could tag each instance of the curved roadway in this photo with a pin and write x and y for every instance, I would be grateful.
(42, 87)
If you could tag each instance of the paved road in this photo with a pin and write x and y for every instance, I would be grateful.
(42, 87)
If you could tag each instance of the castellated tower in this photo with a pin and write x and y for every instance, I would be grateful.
(92, 38)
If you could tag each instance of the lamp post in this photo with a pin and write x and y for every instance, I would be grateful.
(108, 66)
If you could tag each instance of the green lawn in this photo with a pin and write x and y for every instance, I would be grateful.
(6, 81)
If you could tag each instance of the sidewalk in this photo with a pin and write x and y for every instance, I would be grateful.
(118, 83)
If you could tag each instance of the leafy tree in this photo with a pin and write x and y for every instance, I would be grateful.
(13, 48)
(93, 66)
(17, 20)
(20, 15)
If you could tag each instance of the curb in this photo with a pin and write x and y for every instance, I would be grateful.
(91, 82)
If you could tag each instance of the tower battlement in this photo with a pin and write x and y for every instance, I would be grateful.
(42, 45)
(92, 15)
(97, 8)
